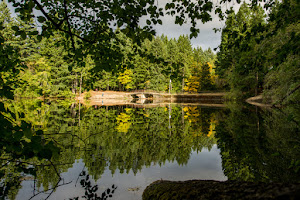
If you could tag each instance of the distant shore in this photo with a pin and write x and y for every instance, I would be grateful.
(91, 95)
(149, 97)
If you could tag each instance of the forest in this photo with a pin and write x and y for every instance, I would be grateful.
(258, 54)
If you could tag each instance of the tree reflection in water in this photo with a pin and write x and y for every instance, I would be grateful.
(255, 144)
(260, 144)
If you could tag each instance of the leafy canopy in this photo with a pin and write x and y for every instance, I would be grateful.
(95, 21)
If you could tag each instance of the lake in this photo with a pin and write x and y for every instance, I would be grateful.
(117, 151)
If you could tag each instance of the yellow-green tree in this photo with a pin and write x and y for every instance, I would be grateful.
(125, 78)
(192, 84)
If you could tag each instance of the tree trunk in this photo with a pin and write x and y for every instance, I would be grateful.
(80, 84)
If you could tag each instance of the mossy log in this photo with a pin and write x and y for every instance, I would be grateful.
(215, 190)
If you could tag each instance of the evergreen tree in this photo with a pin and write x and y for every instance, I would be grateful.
(236, 61)
(185, 55)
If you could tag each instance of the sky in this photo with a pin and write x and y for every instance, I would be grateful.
(207, 38)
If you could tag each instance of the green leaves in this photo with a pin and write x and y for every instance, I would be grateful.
(169, 6)
(33, 33)
(23, 34)
(124, 14)
(28, 133)
(39, 38)
(194, 32)
(41, 19)
(15, 28)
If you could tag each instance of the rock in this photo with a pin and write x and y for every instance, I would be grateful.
(215, 190)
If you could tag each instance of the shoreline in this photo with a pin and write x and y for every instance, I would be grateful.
(150, 99)
(96, 95)
(112, 98)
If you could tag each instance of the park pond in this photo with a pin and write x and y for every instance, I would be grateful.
(66, 150)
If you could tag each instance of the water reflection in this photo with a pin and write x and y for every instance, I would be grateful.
(260, 144)
(128, 148)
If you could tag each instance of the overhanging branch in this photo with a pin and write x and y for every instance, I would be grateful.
(58, 25)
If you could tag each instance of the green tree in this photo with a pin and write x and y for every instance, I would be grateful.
(281, 53)
(237, 61)
(185, 53)
(141, 73)
(107, 81)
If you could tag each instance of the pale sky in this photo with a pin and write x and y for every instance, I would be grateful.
(206, 38)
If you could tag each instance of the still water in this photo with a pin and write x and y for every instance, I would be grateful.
(64, 150)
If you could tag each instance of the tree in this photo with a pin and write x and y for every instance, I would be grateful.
(185, 53)
(9, 55)
(206, 80)
(202, 78)
(237, 60)
(125, 78)
(193, 83)
(141, 72)
(254, 51)
(36, 79)
(281, 53)
(107, 81)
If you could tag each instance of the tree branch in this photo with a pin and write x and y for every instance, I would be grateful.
(56, 186)
(83, 17)
(58, 25)
(69, 26)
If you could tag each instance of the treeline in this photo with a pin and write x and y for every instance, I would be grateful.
(48, 69)
(161, 64)
(260, 53)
